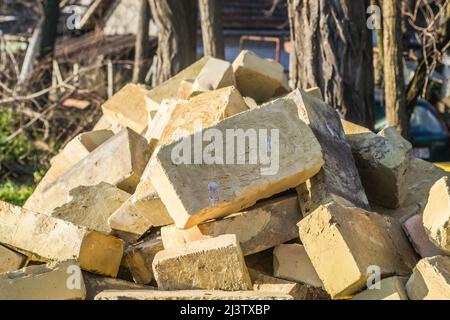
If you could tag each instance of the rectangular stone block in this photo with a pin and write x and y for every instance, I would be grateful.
(344, 244)
(11, 260)
(430, 279)
(139, 259)
(419, 239)
(392, 288)
(420, 178)
(436, 216)
(169, 89)
(45, 238)
(383, 167)
(259, 78)
(96, 284)
(120, 161)
(129, 107)
(76, 150)
(215, 74)
(202, 111)
(291, 262)
(92, 206)
(142, 211)
(261, 227)
(190, 295)
(339, 177)
(226, 180)
(54, 281)
(265, 283)
(212, 264)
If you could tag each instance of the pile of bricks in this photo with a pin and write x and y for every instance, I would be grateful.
(222, 184)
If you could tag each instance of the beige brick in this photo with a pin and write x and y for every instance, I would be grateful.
(351, 128)
(261, 227)
(259, 78)
(436, 216)
(392, 288)
(55, 281)
(383, 167)
(169, 89)
(92, 206)
(265, 283)
(161, 119)
(204, 110)
(139, 259)
(296, 157)
(430, 279)
(337, 242)
(190, 295)
(420, 178)
(291, 262)
(43, 237)
(76, 150)
(142, 211)
(96, 284)
(339, 177)
(419, 239)
(215, 74)
(212, 264)
(129, 107)
(10, 260)
(251, 103)
(102, 124)
(120, 161)
(185, 89)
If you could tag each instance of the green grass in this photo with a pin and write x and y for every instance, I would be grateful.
(21, 163)
(14, 193)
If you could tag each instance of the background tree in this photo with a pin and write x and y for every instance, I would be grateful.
(394, 80)
(177, 32)
(141, 57)
(212, 32)
(49, 27)
(332, 50)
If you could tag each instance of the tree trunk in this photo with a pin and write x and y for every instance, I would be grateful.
(394, 81)
(49, 28)
(332, 50)
(142, 43)
(177, 29)
(210, 13)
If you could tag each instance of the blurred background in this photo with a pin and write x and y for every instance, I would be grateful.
(378, 64)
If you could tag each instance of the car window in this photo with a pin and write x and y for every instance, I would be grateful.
(424, 121)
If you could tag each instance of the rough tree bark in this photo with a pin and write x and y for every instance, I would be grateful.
(332, 50)
(142, 43)
(177, 29)
(49, 27)
(394, 80)
(212, 33)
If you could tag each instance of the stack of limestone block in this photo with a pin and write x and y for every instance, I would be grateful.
(338, 212)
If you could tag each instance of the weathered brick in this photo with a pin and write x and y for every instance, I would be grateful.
(46, 238)
(119, 161)
(261, 227)
(259, 78)
(436, 216)
(212, 264)
(295, 157)
(430, 279)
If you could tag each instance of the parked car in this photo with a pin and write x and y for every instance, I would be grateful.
(429, 135)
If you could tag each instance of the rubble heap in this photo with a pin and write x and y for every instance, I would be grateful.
(222, 184)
